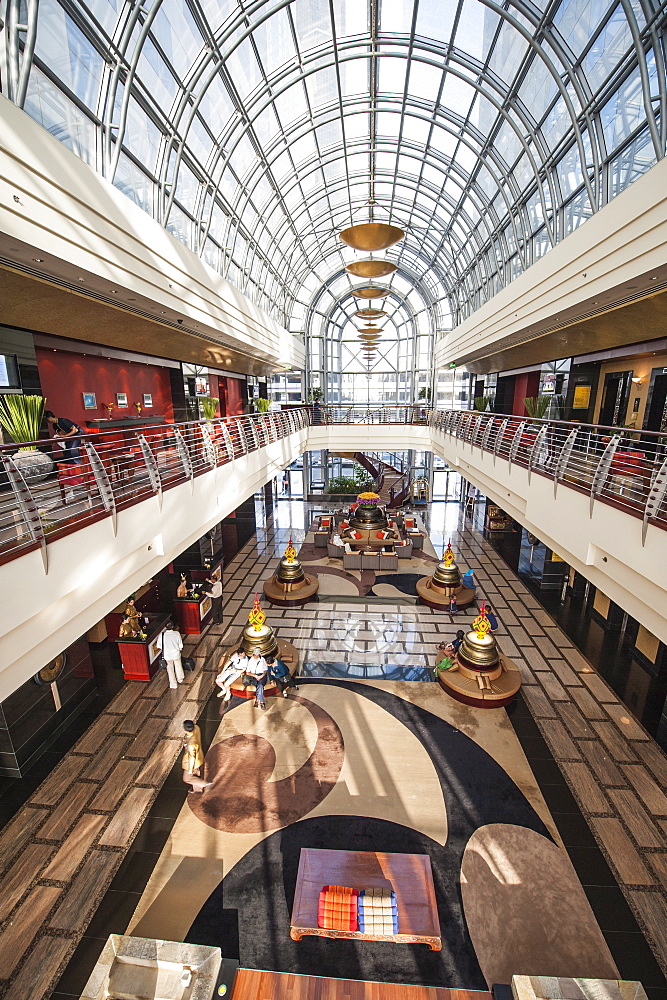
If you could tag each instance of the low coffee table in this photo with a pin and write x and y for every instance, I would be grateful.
(409, 875)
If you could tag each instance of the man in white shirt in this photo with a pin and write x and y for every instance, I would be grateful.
(215, 590)
(256, 668)
(172, 644)
(234, 668)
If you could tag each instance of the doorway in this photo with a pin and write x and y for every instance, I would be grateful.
(656, 410)
(614, 398)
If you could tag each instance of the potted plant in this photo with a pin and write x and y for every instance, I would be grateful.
(21, 418)
(315, 395)
(209, 406)
(262, 405)
(483, 403)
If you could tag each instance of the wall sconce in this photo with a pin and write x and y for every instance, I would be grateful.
(637, 381)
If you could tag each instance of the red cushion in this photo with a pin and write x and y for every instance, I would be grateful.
(357, 535)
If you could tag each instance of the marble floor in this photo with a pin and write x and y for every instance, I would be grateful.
(95, 831)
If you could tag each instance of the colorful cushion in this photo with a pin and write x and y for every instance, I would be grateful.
(357, 535)
(337, 908)
(325, 522)
(378, 911)
(409, 522)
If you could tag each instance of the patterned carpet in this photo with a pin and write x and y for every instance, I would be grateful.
(390, 766)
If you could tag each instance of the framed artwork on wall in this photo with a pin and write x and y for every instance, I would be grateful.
(148, 399)
(89, 401)
(121, 400)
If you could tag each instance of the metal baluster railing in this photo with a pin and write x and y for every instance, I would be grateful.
(110, 470)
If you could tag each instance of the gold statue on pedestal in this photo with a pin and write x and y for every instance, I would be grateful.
(444, 590)
(289, 586)
(478, 674)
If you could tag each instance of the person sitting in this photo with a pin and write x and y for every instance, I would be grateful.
(279, 672)
(469, 580)
(234, 668)
(493, 621)
(256, 672)
(452, 646)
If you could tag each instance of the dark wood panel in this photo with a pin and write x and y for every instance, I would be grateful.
(126, 819)
(21, 875)
(252, 985)
(116, 785)
(86, 891)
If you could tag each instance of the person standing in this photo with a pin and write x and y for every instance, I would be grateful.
(256, 670)
(214, 588)
(172, 644)
(278, 671)
(70, 434)
(193, 757)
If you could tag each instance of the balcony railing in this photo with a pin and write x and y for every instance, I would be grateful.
(623, 467)
(115, 469)
(96, 475)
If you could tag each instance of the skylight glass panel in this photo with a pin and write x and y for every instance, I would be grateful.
(354, 76)
(178, 36)
(435, 19)
(538, 88)
(68, 53)
(273, 38)
(396, 16)
(312, 22)
(351, 17)
(291, 104)
(415, 129)
(424, 80)
(243, 68)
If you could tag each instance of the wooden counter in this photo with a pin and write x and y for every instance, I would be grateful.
(193, 614)
(140, 656)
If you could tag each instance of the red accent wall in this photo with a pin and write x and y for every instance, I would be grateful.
(525, 386)
(215, 387)
(234, 397)
(65, 376)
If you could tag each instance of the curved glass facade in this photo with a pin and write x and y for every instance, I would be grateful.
(256, 131)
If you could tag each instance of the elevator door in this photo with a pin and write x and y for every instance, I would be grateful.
(614, 399)
(656, 419)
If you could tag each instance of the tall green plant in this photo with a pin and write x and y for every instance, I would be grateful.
(537, 406)
(262, 404)
(209, 405)
(21, 417)
(483, 403)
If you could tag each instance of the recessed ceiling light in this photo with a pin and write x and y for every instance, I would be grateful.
(655, 278)
(131, 300)
(38, 260)
(114, 291)
(82, 279)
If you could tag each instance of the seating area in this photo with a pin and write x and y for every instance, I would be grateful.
(362, 549)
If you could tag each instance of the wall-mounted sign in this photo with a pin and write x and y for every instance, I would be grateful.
(148, 399)
(121, 400)
(582, 397)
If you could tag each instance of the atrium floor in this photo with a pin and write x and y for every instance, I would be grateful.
(93, 849)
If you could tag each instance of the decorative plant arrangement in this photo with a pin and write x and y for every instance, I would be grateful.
(209, 406)
(537, 406)
(262, 404)
(109, 408)
(368, 499)
(21, 417)
(315, 395)
(483, 403)
(138, 408)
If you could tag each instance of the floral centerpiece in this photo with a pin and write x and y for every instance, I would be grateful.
(368, 499)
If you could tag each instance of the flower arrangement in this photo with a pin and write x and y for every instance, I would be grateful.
(137, 407)
(368, 499)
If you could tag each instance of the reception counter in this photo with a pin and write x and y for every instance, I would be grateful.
(193, 614)
(140, 656)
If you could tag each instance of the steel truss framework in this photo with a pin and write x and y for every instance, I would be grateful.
(255, 130)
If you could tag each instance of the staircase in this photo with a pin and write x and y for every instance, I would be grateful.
(391, 484)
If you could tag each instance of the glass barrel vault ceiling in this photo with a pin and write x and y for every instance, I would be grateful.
(255, 131)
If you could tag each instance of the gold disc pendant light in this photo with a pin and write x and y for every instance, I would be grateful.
(370, 329)
(371, 268)
(370, 292)
(371, 236)
(371, 314)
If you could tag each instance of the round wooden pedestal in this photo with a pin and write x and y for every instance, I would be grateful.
(289, 654)
(438, 599)
(276, 593)
(464, 687)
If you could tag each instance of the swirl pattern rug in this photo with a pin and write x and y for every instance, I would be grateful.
(374, 766)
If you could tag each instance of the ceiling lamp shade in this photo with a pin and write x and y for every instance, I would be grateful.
(371, 268)
(372, 314)
(370, 236)
(370, 329)
(369, 338)
(370, 292)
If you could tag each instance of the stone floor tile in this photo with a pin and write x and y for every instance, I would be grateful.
(612, 739)
(552, 686)
(41, 968)
(652, 910)
(74, 848)
(67, 811)
(535, 658)
(601, 691)
(624, 857)
(127, 818)
(591, 797)
(560, 743)
(51, 791)
(575, 658)
(104, 760)
(565, 674)
(575, 721)
(631, 811)
(116, 785)
(600, 760)
(95, 736)
(628, 725)
(653, 797)
(17, 833)
(25, 870)
(160, 762)
(587, 703)
(658, 863)
(538, 703)
(20, 932)
(86, 890)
